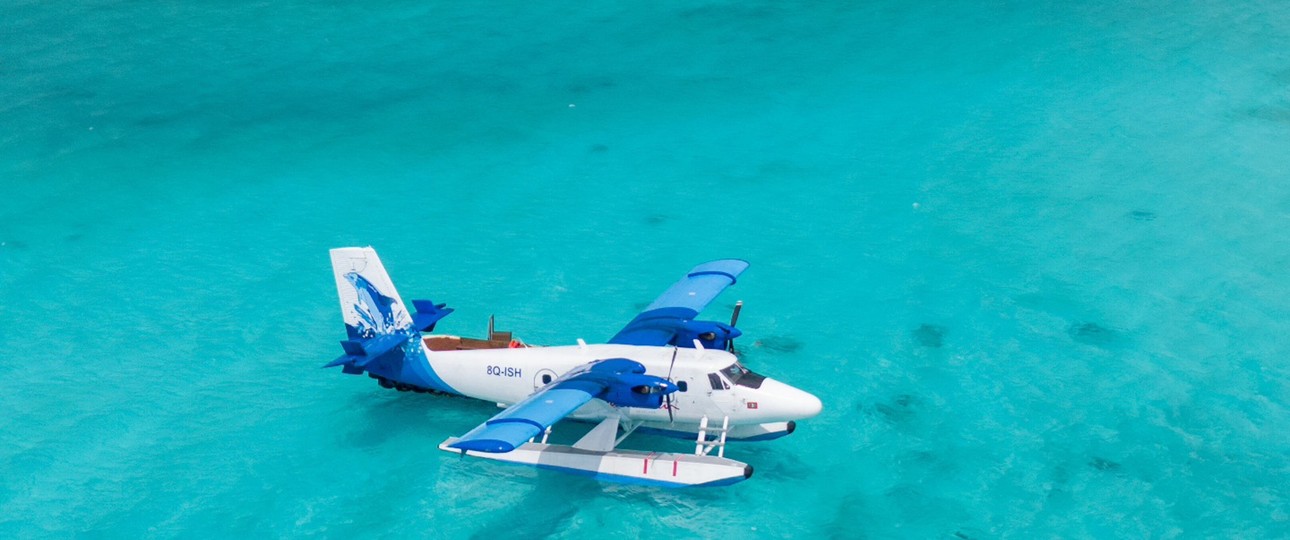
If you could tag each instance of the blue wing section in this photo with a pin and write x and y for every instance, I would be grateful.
(672, 312)
(617, 380)
(529, 418)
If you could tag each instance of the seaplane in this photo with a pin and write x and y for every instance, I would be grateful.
(665, 373)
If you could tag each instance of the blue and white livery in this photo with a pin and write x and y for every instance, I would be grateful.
(664, 373)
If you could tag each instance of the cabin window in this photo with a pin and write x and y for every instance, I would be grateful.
(546, 378)
(717, 382)
(682, 386)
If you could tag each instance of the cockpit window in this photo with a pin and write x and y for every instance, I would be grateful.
(734, 372)
(742, 376)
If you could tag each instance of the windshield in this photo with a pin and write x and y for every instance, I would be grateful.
(742, 376)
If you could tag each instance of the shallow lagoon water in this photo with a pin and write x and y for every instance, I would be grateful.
(1031, 256)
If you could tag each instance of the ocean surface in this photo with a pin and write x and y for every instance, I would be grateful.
(1032, 256)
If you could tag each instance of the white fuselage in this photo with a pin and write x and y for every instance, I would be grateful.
(507, 376)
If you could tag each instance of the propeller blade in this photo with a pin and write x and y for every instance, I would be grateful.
(670, 415)
(734, 318)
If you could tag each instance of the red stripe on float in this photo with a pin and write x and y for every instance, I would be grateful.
(646, 471)
(673, 468)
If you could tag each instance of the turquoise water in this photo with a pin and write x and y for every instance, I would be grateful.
(1032, 256)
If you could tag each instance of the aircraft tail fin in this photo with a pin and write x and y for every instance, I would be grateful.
(370, 305)
(384, 339)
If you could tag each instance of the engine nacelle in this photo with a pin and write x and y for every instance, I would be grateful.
(636, 390)
(712, 334)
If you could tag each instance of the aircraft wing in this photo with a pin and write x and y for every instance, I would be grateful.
(681, 302)
(530, 417)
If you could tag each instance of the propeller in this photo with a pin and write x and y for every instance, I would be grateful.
(734, 318)
(668, 396)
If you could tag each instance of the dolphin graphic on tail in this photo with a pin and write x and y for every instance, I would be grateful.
(384, 339)
(368, 300)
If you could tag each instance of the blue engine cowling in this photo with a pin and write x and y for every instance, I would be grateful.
(712, 334)
(636, 390)
(626, 384)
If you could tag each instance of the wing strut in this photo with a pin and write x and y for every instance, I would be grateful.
(602, 438)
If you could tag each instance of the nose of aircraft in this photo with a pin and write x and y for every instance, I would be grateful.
(791, 403)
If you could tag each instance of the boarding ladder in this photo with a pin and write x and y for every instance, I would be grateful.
(703, 447)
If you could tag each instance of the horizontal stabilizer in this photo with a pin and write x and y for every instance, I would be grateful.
(353, 348)
(339, 361)
(428, 313)
(359, 353)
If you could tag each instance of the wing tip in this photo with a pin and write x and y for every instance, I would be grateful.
(491, 446)
(738, 263)
(730, 268)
